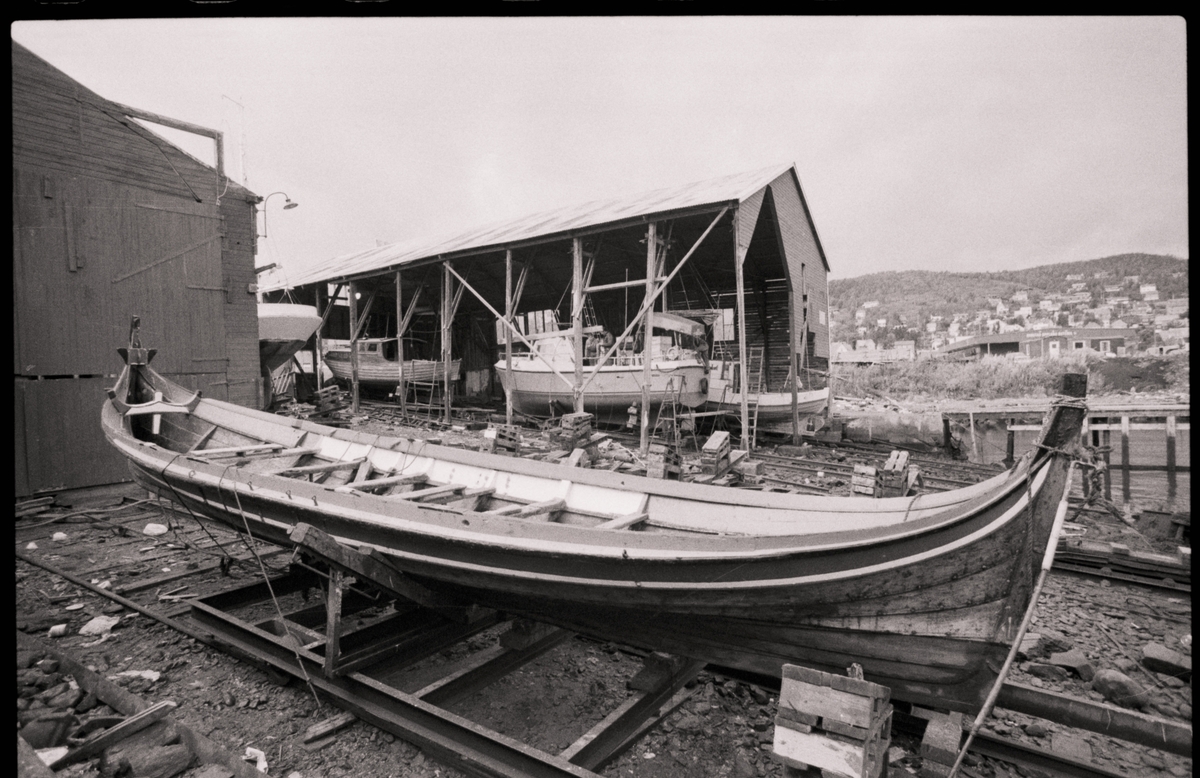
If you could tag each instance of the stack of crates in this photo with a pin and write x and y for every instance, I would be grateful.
(865, 481)
(662, 461)
(832, 722)
(573, 428)
(714, 457)
(894, 480)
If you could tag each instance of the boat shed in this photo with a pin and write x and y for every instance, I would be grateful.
(110, 220)
(739, 253)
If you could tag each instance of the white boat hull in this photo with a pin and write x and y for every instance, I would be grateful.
(537, 391)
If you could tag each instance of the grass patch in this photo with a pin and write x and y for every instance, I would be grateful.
(989, 378)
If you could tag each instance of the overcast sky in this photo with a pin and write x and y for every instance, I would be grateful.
(933, 143)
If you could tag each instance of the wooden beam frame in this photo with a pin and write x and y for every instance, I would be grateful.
(511, 328)
(508, 351)
(353, 302)
(650, 301)
(739, 258)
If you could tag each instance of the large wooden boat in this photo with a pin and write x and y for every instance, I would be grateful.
(926, 593)
(377, 364)
(725, 394)
(677, 372)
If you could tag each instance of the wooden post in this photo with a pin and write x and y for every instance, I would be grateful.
(320, 384)
(400, 388)
(648, 332)
(353, 299)
(1106, 442)
(446, 316)
(577, 320)
(738, 261)
(333, 620)
(793, 366)
(508, 318)
(1171, 428)
(1010, 444)
(974, 437)
(1125, 455)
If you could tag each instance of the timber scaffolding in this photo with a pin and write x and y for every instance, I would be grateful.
(374, 622)
(738, 255)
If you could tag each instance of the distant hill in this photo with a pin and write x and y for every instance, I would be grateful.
(915, 295)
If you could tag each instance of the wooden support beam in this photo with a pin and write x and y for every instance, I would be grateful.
(577, 320)
(486, 668)
(374, 567)
(238, 450)
(603, 741)
(739, 260)
(622, 285)
(352, 298)
(401, 323)
(333, 621)
(648, 333)
(447, 320)
(1109, 720)
(508, 349)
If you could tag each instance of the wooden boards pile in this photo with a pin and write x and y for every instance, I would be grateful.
(714, 457)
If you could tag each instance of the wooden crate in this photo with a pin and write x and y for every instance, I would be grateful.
(715, 454)
(832, 722)
(662, 461)
(577, 424)
(508, 437)
(894, 480)
(865, 481)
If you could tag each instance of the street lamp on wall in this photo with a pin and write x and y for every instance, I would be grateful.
(288, 205)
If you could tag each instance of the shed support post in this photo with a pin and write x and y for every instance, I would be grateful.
(648, 333)
(739, 258)
(794, 368)
(447, 316)
(317, 338)
(508, 345)
(401, 390)
(577, 320)
(352, 296)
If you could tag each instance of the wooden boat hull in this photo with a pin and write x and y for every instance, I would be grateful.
(283, 329)
(925, 593)
(773, 406)
(539, 392)
(376, 371)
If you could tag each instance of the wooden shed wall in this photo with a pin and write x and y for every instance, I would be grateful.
(804, 261)
(106, 225)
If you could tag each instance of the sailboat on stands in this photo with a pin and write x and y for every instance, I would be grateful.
(926, 593)
(678, 371)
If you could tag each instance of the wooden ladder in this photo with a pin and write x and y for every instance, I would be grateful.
(753, 386)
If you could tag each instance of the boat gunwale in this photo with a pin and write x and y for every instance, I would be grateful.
(639, 544)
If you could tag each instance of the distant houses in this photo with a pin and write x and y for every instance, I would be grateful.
(1041, 343)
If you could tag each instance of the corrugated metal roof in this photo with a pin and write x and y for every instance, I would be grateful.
(731, 188)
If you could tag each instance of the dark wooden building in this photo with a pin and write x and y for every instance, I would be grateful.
(109, 221)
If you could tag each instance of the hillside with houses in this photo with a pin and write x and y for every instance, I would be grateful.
(1124, 305)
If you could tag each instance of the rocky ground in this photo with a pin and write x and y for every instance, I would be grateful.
(724, 729)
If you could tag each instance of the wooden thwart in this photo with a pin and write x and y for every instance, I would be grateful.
(532, 509)
(391, 480)
(324, 467)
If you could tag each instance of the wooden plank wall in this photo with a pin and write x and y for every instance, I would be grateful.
(803, 256)
(110, 221)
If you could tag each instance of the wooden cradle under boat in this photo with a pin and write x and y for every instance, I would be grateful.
(925, 592)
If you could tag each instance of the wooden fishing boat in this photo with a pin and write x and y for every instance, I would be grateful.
(724, 394)
(926, 593)
(377, 364)
(677, 372)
